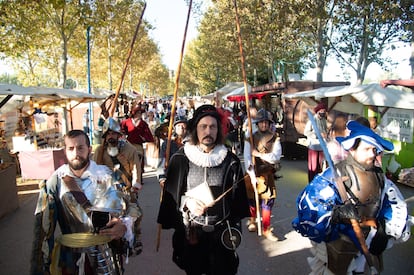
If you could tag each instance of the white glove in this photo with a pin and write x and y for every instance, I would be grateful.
(136, 186)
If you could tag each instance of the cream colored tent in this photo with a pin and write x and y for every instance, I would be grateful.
(351, 99)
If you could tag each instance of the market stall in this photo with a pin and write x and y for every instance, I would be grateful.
(393, 108)
(34, 132)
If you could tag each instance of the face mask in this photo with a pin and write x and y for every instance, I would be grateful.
(112, 151)
(322, 114)
(113, 141)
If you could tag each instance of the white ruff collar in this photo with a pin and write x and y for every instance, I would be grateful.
(214, 158)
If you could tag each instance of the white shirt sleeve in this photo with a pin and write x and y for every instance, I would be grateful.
(247, 155)
(275, 154)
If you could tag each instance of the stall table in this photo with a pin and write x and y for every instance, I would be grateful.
(40, 164)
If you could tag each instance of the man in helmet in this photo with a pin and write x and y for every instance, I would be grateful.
(266, 152)
(178, 139)
(125, 162)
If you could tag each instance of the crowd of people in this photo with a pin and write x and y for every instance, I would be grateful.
(349, 209)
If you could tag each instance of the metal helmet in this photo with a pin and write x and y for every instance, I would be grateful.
(111, 124)
(263, 115)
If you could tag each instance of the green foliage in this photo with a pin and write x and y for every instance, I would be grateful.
(9, 79)
(49, 45)
(365, 28)
(46, 40)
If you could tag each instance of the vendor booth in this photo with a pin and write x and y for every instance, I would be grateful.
(393, 108)
(34, 133)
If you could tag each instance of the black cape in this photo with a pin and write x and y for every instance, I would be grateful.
(169, 215)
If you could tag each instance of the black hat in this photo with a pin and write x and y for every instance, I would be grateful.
(202, 111)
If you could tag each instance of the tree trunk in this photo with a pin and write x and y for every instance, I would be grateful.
(64, 60)
(320, 55)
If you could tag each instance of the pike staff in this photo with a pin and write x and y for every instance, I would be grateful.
(246, 95)
(112, 107)
(172, 115)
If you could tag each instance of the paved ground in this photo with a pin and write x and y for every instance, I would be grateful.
(257, 255)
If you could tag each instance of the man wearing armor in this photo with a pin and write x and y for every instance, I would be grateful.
(266, 152)
(351, 226)
(204, 199)
(93, 217)
(125, 161)
(178, 138)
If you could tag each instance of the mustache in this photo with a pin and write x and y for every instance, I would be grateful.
(206, 137)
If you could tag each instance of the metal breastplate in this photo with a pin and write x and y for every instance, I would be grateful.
(105, 199)
(264, 141)
(214, 177)
(102, 198)
(366, 185)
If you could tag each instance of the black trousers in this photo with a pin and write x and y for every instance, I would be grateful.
(206, 256)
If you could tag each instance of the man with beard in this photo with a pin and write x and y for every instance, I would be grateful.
(264, 156)
(92, 215)
(351, 211)
(125, 162)
(204, 199)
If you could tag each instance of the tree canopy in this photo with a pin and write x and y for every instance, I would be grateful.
(46, 41)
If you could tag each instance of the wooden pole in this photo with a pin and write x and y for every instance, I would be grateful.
(33, 123)
(246, 96)
(115, 101)
(171, 122)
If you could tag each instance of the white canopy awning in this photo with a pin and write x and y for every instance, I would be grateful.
(238, 92)
(353, 98)
(48, 96)
(225, 90)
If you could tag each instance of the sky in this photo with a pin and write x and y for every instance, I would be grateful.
(169, 19)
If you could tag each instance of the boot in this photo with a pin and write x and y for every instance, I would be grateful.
(251, 225)
(268, 234)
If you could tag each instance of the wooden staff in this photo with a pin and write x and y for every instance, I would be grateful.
(171, 122)
(246, 95)
(113, 104)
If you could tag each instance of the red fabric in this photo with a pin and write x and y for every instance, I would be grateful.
(265, 215)
(315, 163)
(266, 219)
(225, 122)
(239, 98)
(139, 134)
